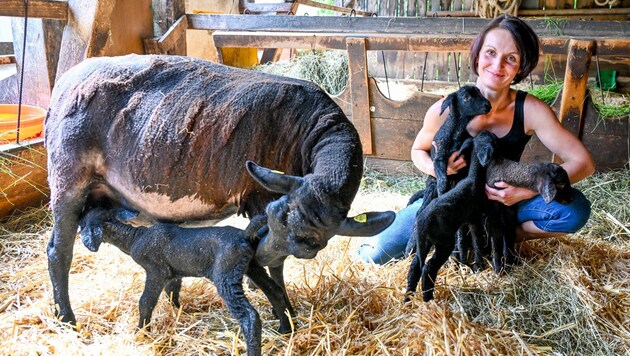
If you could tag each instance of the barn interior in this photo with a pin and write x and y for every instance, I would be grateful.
(384, 62)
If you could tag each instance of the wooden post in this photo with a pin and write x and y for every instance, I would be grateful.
(357, 65)
(165, 14)
(575, 80)
(41, 57)
(104, 28)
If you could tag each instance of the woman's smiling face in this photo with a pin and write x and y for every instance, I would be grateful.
(499, 59)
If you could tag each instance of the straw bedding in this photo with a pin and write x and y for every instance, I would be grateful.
(569, 296)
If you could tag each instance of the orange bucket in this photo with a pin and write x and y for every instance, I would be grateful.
(31, 122)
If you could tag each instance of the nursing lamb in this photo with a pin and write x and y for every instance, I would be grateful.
(168, 252)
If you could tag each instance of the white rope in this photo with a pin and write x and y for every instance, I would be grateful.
(609, 3)
(492, 8)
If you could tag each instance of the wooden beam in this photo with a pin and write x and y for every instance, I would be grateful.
(42, 9)
(398, 25)
(575, 80)
(340, 9)
(357, 67)
(393, 42)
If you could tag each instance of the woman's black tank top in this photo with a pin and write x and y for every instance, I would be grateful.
(512, 145)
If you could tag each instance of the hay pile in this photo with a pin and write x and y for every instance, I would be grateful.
(570, 296)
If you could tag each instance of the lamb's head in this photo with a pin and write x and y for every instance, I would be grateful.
(92, 222)
(554, 184)
(303, 220)
(485, 147)
(466, 102)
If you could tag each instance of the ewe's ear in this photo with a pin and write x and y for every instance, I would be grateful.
(547, 190)
(272, 181)
(449, 102)
(367, 224)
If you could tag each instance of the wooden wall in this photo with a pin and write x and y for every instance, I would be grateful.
(453, 66)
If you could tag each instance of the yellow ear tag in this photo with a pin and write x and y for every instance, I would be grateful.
(274, 171)
(361, 218)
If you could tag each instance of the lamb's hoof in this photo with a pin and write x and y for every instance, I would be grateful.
(284, 329)
(427, 296)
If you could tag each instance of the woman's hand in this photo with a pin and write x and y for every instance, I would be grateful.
(507, 194)
(455, 164)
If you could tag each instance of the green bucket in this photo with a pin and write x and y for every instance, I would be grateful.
(607, 80)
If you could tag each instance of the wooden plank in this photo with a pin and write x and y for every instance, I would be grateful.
(78, 32)
(170, 42)
(585, 4)
(392, 42)
(399, 25)
(42, 9)
(42, 50)
(24, 183)
(575, 80)
(357, 67)
(165, 14)
(343, 10)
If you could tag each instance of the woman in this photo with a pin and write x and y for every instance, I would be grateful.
(504, 53)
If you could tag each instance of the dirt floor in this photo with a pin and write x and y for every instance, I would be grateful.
(568, 296)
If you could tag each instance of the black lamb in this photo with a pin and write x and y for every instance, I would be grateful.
(168, 252)
(437, 224)
(550, 180)
(463, 105)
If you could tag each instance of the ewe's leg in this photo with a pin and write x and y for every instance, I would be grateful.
(153, 286)
(67, 207)
(431, 268)
(172, 289)
(230, 288)
(277, 274)
(274, 293)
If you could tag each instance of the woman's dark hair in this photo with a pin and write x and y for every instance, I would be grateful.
(526, 43)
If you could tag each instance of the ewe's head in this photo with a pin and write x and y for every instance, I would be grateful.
(466, 102)
(303, 220)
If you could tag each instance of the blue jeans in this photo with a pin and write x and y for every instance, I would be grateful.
(553, 217)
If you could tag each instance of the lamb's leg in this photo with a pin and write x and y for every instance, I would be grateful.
(417, 263)
(430, 193)
(478, 244)
(277, 274)
(274, 293)
(153, 286)
(462, 245)
(413, 277)
(440, 166)
(433, 265)
(230, 288)
(66, 210)
(172, 289)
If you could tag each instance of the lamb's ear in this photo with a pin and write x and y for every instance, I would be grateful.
(485, 154)
(448, 102)
(272, 181)
(547, 190)
(366, 224)
(92, 237)
(125, 215)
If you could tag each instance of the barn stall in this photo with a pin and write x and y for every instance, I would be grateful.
(570, 294)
